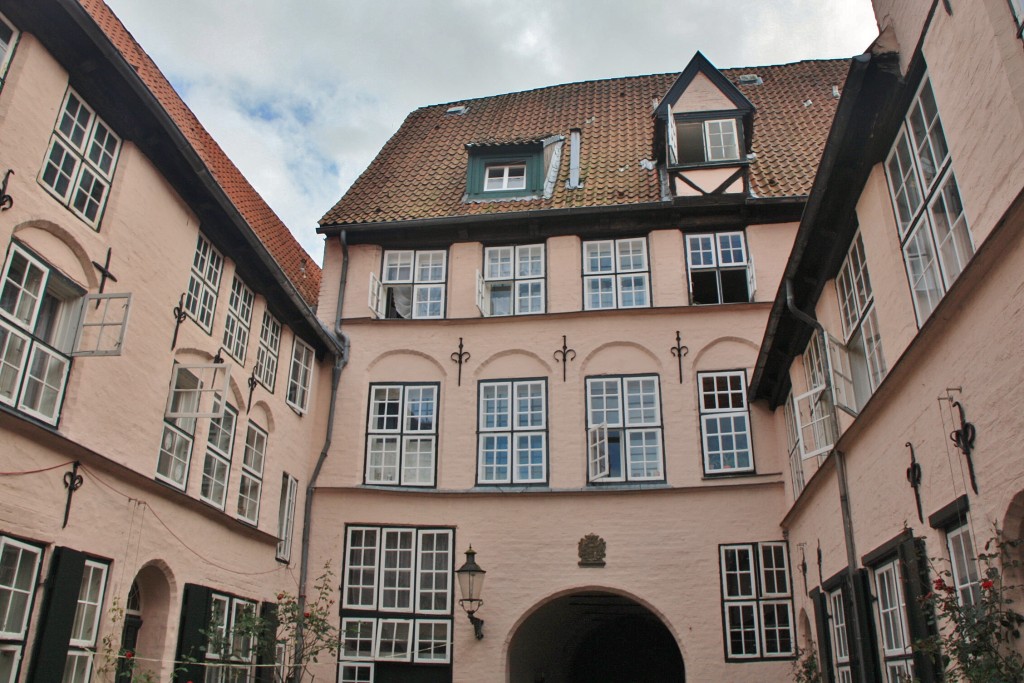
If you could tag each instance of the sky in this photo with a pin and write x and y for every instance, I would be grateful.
(302, 94)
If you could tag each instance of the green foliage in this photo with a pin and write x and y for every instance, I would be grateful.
(805, 667)
(976, 640)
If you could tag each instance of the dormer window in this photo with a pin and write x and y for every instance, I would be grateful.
(704, 141)
(505, 177)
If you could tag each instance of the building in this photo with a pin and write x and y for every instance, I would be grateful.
(678, 356)
(164, 382)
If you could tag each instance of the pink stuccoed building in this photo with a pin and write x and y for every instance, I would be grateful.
(679, 357)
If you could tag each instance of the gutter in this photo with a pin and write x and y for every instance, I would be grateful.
(340, 361)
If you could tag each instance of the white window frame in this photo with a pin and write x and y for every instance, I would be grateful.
(355, 672)
(717, 414)
(395, 655)
(300, 376)
(6, 55)
(390, 450)
(420, 646)
(213, 487)
(748, 594)
(254, 460)
(241, 656)
(601, 430)
(204, 284)
(86, 172)
(384, 589)
(286, 516)
(963, 561)
(521, 277)
(796, 465)
(920, 161)
(102, 325)
(839, 637)
(891, 615)
(512, 430)
(19, 634)
(507, 180)
(719, 252)
(412, 270)
(616, 274)
(213, 379)
(267, 353)
(715, 150)
(239, 319)
(814, 408)
(85, 627)
(178, 434)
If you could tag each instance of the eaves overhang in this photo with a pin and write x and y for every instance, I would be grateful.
(864, 126)
(111, 85)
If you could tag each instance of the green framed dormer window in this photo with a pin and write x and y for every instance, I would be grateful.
(505, 172)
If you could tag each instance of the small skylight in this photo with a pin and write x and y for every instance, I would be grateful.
(751, 79)
(457, 111)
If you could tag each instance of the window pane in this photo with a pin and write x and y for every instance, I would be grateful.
(721, 140)
(922, 267)
(597, 257)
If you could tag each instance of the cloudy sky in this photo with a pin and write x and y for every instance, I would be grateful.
(302, 94)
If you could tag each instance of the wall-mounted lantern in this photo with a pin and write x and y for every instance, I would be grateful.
(471, 584)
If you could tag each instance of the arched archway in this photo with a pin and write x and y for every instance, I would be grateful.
(147, 617)
(594, 636)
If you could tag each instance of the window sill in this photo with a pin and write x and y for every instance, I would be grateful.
(709, 164)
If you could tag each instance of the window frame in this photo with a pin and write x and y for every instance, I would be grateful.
(16, 641)
(85, 169)
(251, 473)
(268, 351)
(616, 275)
(300, 387)
(715, 253)
(379, 292)
(704, 119)
(755, 600)
(707, 414)
(928, 273)
(512, 431)
(8, 55)
(220, 457)
(481, 158)
(203, 288)
(487, 281)
(963, 558)
(238, 323)
(401, 435)
(84, 649)
(598, 433)
(893, 655)
(286, 517)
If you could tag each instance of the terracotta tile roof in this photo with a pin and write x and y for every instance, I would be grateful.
(300, 268)
(421, 171)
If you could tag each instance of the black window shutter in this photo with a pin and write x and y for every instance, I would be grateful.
(195, 619)
(58, 615)
(824, 634)
(266, 652)
(864, 626)
(920, 620)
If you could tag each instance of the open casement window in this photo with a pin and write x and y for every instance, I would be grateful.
(512, 282)
(195, 390)
(412, 285)
(813, 411)
(858, 366)
(102, 325)
(220, 444)
(286, 516)
(796, 466)
(79, 165)
(704, 141)
(721, 271)
(757, 601)
(624, 439)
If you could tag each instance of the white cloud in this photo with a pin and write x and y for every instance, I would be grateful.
(302, 95)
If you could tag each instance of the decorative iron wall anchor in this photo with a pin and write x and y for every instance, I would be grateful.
(914, 477)
(6, 200)
(963, 439)
(72, 482)
(564, 355)
(252, 382)
(460, 357)
(179, 318)
(803, 565)
(679, 351)
(105, 273)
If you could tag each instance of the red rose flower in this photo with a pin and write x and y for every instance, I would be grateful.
(306, 614)
(939, 584)
(129, 654)
(987, 585)
(280, 596)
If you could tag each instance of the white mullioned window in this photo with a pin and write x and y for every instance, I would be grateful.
(624, 429)
(839, 637)
(930, 215)
(85, 628)
(512, 282)
(813, 409)
(401, 437)
(512, 432)
(964, 564)
(857, 366)
(705, 141)
(396, 596)
(220, 444)
(891, 615)
(19, 574)
(239, 320)
(286, 516)
(499, 177)
(796, 465)
(232, 649)
(250, 486)
(355, 672)
(616, 274)
(8, 38)
(176, 440)
(412, 285)
(267, 351)
(204, 283)
(757, 600)
(725, 422)
(300, 375)
(79, 165)
(720, 268)
(45, 320)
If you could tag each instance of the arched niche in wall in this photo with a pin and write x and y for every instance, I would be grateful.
(60, 249)
(621, 358)
(724, 353)
(405, 365)
(512, 363)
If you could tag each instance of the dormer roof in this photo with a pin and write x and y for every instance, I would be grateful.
(700, 66)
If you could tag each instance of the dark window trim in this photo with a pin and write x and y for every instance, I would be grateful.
(950, 515)
(626, 481)
(886, 550)
(714, 115)
(398, 486)
(480, 158)
(750, 427)
(415, 250)
(646, 237)
(688, 271)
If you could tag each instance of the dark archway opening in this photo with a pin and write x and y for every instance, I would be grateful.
(594, 636)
